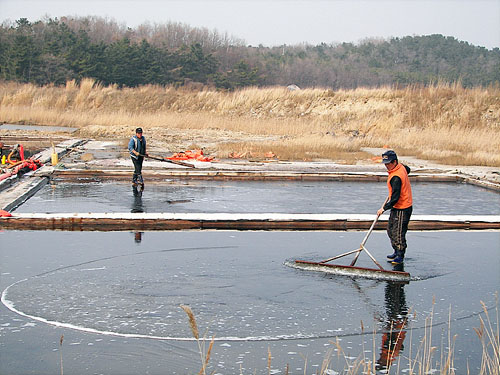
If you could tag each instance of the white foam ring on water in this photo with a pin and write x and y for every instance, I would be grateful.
(11, 306)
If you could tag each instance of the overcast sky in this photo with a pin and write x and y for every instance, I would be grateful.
(277, 22)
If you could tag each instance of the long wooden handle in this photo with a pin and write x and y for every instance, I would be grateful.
(362, 246)
(341, 255)
(358, 251)
(369, 231)
(373, 258)
(170, 161)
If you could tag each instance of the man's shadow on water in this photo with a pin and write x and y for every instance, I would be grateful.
(137, 207)
(395, 323)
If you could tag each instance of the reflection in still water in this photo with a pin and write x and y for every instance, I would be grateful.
(137, 237)
(137, 203)
(137, 207)
(395, 324)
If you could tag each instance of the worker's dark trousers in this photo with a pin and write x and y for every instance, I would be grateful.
(397, 228)
(137, 168)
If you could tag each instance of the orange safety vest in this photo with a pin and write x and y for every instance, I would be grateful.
(405, 199)
(392, 344)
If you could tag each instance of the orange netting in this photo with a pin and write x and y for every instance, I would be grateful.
(250, 154)
(20, 166)
(191, 155)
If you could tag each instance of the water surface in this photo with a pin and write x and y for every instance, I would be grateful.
(115, 297)
(258, 197)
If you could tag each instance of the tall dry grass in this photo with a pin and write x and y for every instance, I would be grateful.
(446, 123)
(204, 354)
(490, 341)
(61, 354)
(421, 361)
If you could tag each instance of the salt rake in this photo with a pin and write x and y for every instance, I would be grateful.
(372, 273)
(178, 162)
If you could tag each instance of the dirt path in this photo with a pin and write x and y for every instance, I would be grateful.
(111, 151)
(491, 174)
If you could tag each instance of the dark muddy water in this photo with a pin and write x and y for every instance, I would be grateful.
(115, 297)
(257, 196)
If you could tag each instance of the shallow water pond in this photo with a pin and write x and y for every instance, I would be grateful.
(258, 196)
(115, 297)
(38, 128)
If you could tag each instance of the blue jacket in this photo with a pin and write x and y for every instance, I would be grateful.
(137, 145)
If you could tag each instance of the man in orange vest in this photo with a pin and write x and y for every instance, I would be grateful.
(399, 202)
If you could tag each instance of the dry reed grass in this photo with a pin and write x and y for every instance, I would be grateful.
(345, 149)
(61, 354)
(445, 123)
(421, 362)
(490, 341)
(204, 354)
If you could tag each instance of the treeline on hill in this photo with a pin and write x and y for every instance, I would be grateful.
(53, 51)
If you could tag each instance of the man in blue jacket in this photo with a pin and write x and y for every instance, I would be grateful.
(137, 149)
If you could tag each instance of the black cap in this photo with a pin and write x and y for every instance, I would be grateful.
(389, 156)
(138, 130)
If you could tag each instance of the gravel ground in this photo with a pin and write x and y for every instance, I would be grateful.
(109, 152)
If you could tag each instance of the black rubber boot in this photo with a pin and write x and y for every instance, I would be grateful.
(400, 256)
(392, 256)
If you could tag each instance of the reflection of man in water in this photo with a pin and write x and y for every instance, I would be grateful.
(137, 205)
(138, 237)
(396, 310)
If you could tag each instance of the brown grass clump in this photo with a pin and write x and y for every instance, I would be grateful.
(443, 122)
(422, 361)
(490, 341)
(343, 149)
(204, 354)
(60, 354)
(192, 321)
